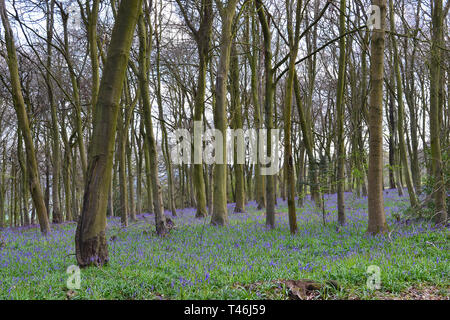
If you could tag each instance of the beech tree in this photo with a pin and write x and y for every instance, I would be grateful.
(298, 66)
(377, 218)
(220, 211)
(23, 121)
(158, 206)
(90, 240)
(436, 109)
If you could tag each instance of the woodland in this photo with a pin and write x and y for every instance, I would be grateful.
(95, 204)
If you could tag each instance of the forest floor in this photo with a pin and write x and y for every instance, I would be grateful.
(242, 261)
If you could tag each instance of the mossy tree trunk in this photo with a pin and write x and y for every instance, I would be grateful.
(90, 239)
(24, 124)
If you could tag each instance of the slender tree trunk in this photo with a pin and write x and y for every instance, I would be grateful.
(56, 154)
(158, 207)
(148, 178)
(236, 108)
(289, 171)
(165, 142)
(364, 112)
(22, 116)
(121, 155)
(307, 139)
(138, 151)
(392, 133)
(24, 182)
(220, 211)
(3, 187)
(436, 106)
(93, 51)
(202, 37)
(401, 130)
(268, 108)
(132, 203)
(377, 219)
(259, 179)
(76, 95)
(340, 118)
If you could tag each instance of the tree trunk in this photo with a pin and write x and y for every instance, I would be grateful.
(3, 187)
(377, 219)
(75, 95)
(56, 154)
(158, 206)
(90, 240)
(121, 155)
(202, 38)
(131, 193)
(400, 126)
(165, 142)
(340, 118)
(436, 114)
(288, 170)
(236, 108)
(268, 109)
(22, 117)
(259, 179)
(220, 211)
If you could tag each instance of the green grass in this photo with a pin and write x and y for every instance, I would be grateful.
(241, 261)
